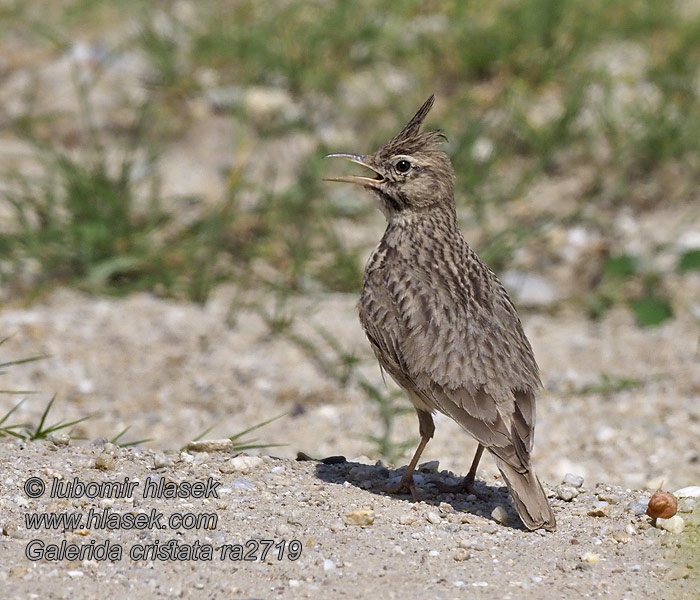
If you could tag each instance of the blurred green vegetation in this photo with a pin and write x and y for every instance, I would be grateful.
(527, 90)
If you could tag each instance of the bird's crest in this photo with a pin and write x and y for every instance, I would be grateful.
(410, 138)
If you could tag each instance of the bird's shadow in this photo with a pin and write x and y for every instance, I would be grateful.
(375, 479)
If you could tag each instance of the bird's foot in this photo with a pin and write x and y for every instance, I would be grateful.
(466, 486)
(403, 487)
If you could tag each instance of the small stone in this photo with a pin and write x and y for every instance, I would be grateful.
(225, 445)
(433, 553)
(431, 466)
(590, 557)
(407, 519)
(160, 460)
(600, 509)
(243, 463)
(573, 480)
(434, 518)
(692, 491)
(360, 517)
(566, 492)
(499, 515)
(461, 554)
(282, 530)
(104, 462)
(59, 438)
(489, 527)
(677, 573)
(336, 526)
(638, 508)
(687, 505)
(673, 525)
(73, 574)
(328, 565)
(629, 528)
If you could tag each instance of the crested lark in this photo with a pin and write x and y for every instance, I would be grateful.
(439, 320)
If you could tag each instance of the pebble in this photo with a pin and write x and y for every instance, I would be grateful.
(687, 505)
(328, 565)
(104, 462)
(59, 438)
(692, 491)
(283, 530)
(673, 525)
(590, 557)
(499, 515)
(461, 554)
(567, 492)
(243, 463)
(160, 460)
(407, 519)
(431, 466)
(434, 518)
(600, 509)
(336, 526)
(469, 544)
(360, 517)
(224, 445)
(639, 508)
(573, 480)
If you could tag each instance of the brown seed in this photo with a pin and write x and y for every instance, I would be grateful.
(662, 505)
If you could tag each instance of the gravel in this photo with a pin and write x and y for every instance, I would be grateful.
(354, 542)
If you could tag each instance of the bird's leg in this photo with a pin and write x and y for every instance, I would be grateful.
(467, 484)
(426, 427)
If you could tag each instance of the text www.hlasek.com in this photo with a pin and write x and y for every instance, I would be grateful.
(107, 519)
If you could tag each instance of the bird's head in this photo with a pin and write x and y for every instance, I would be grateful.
(411, 173)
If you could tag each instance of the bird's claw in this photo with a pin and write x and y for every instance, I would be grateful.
(404, 486)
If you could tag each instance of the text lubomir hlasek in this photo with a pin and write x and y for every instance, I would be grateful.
(152, 488)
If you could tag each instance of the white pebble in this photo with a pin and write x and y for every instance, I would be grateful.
(434, 518)
(590, 557)
(571, 479)
(673, 525)
(328, 565)
(407, 519)
(567, 492)
(243, 463)
(499, 515)
(160, 461)
(692, 491)
(433, 553)
(687, 505)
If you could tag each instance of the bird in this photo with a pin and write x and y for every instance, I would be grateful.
(439, 320)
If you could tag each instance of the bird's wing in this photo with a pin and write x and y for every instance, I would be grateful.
(463, 346)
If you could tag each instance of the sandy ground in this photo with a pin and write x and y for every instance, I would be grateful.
(170, 370)
(337, 536)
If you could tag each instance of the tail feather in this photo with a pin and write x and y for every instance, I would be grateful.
(529, 497)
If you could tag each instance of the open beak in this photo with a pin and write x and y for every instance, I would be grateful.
(371, 182)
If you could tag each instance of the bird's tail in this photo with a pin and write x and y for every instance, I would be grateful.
(529, 497)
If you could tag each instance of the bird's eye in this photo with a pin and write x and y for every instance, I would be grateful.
(403, 166)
